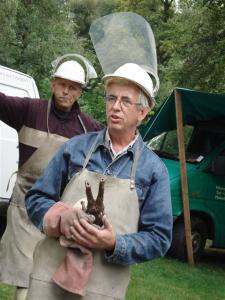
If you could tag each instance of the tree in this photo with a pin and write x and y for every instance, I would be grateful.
(190, 41)
(83, 13)
(7, 32)
(168, 9)
(38, 32)
(197, 41)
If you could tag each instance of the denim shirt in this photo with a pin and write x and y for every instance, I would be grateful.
(152, 185)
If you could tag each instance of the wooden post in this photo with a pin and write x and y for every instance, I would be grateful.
(183, 173)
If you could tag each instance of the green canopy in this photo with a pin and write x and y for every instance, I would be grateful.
(196, 106)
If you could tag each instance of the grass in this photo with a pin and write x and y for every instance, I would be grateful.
(169, 279)
(6, 292)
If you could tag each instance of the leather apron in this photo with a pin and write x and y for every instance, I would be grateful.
(107, 280)
(21, 236)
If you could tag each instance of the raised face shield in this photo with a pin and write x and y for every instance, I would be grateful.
(125, 37)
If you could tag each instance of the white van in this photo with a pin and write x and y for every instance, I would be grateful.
(12, 83)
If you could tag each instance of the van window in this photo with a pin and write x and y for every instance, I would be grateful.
(166, 144)
(205, 141)
(217, 165)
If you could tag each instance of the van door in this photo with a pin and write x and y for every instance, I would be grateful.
(216, 197)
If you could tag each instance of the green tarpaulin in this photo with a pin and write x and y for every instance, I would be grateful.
(196, 106)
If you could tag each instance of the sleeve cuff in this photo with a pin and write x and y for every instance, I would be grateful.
(119, 252)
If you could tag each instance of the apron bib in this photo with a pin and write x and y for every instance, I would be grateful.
(107, 280)
(21, 236)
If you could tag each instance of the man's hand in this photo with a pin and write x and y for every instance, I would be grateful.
(90, 236)
(71, 216)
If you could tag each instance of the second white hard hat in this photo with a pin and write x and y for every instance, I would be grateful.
(71, 70)
(135, 74)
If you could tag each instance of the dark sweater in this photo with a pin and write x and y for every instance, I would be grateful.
(16, 112)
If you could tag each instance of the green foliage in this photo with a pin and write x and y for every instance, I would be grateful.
(7, 32)
(38, 32)
(92, 101)
(214, 3)
(44, 88)
(190, 40)
(6, 292)
(85, 12)
(154, 11)
(197, 58)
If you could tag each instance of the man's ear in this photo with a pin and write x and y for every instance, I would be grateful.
(52, 83)
(143, 113)
(81, 91)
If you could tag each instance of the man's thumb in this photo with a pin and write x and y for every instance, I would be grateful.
(105, 222)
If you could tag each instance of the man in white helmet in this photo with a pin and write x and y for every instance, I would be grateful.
(42, 127)
(137, 221)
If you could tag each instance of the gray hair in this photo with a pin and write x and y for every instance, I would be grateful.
(143, 99)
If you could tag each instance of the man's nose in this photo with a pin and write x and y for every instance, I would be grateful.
(117, 104)
(66, 89)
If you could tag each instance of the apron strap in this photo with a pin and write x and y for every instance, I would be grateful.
(134, 166)
(48, 112)
(90, 152)
(82, 124)
(7, 188)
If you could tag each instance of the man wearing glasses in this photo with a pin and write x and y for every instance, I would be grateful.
(137, 220)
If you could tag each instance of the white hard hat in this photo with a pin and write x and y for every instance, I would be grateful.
(73, 67)
(137, 75)
(71, 70)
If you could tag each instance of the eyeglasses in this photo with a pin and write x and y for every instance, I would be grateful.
(124, 102)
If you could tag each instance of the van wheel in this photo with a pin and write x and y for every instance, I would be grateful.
(199, 235)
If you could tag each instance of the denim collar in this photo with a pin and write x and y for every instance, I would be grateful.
(101, 142)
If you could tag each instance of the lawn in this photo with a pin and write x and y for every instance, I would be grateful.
(168, 279)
